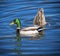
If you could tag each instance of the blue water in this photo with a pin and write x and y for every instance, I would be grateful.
(25, 10)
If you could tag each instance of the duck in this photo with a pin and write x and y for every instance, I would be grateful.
(40, 18)
(32, 30)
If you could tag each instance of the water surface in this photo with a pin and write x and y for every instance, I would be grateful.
(48, 44)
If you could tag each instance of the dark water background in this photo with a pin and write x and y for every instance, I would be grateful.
(46, 45)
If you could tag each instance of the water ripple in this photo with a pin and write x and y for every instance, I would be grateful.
(25, 10)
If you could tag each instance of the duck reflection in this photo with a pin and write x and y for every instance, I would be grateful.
(18, 44)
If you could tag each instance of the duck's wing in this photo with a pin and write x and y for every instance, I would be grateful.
(30, 29)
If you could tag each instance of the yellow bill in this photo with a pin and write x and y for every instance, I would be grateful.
(11, 23)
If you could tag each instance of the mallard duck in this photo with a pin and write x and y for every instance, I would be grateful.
(28, 31)
(40, 18)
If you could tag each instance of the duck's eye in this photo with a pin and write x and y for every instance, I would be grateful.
(14, 21)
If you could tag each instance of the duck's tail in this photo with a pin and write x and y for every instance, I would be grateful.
(40, 29)
(39, 19)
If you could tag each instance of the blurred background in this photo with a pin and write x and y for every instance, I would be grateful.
(46, 45)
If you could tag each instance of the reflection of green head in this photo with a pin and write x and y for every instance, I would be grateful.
(17, 22)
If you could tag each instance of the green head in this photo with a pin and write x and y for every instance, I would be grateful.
(17, 22)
